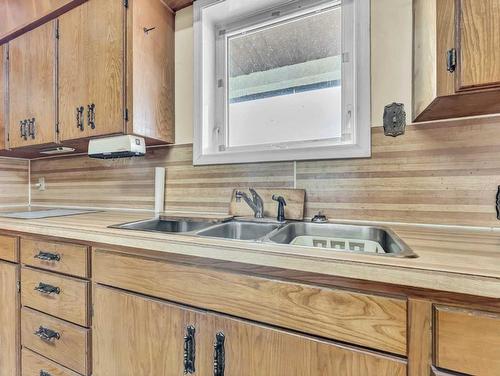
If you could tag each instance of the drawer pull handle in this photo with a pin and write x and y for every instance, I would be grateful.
(47, 334)
(44, 373)
(47, 256)
(219, 354)
(47, 289)
(189, 350)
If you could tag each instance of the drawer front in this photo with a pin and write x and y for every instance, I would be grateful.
(65, 258)
(69, 301)
(70, 347)
(367, 320)
(467, 341)
(35, 365)
(9, 248)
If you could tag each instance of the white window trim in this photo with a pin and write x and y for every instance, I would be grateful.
(206, 136)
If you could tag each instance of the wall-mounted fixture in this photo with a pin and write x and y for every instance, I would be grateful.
(394, 119)
(117, 147)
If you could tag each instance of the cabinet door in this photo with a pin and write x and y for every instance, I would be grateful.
(32, 84)
(478, 29)
(3, 91)
(91, 70)
(253, 350)
(134, 335)
(9, 319)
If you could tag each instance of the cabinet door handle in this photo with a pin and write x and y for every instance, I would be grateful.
(44, 373)
(24, 134)
(47, 256)
(31, 128)
(79, 118)
(47, 289)
(219, 354)
(189, 350)
(91, 115)
(47, 334)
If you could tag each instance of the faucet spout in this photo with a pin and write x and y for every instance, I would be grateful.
(256, 203)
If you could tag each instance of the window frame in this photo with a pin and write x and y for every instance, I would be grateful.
(210, 104)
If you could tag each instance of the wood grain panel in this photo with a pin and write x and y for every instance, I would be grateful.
(129, 183)
(372, 321)
(252, 349)
(33, 364)
(71, 349)
(3, 96)
(479, 39)
(438, 173)
(151, 70)
(9, 248)
(74, 258)
(9, 317)
(91, 68)
(419, 337)
(71, 304)
(32, 80)
(467, 341)
(176, 5)
(14, 175)
(19, 16)
(134, 335)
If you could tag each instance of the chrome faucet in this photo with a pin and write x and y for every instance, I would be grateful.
(256, 203)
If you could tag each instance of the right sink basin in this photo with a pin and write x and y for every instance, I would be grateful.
(343, 237)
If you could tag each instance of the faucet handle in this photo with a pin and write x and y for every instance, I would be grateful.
(319, 218)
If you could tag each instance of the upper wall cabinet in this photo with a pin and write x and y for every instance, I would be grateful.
(116, 70)
(91, 70)
(456, 67)
(32, 87)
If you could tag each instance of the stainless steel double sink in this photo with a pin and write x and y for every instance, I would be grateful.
(327, 236)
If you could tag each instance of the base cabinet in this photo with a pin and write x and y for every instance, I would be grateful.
(139, 335)
(9, 319)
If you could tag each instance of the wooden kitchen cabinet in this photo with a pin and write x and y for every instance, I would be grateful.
(248, 349)
(116, 70)
(456, 67)
(3, 96)
(32, 87)
(135, 335)
(9, 319)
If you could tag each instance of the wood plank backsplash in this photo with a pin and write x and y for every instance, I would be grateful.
(438, 173)
(14, 179)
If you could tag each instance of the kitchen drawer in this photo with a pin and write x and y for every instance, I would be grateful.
(9, 248)
(467, 341)
(64, 258)
(35, 365)
(70, 348)
(372, 321)
(70, 302)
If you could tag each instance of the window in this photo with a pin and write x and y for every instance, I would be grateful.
(281, 80)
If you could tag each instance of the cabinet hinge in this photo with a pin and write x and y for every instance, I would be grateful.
(125, 114)
(57, 127)
(8, 137)
(18, 286)
(57, 31)
(91, 310)
(125, 3)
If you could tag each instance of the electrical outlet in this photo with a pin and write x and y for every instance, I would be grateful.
(41, 184)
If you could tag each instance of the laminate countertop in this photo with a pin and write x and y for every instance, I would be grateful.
(457, 260)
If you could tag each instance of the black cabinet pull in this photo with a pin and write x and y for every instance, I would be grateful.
(31, 128)
(189, 350)
(79, 118)
(24, 131)
(47, 256)
(91, 115)
(219, 354)
(47, 334)
(47, 289)
(451, 60)
(44, 373)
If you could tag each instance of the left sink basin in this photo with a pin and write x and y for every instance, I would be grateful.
(239, 230)
(166, 225)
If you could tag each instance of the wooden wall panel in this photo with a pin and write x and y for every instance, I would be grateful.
(437, 173)
(14, 178)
